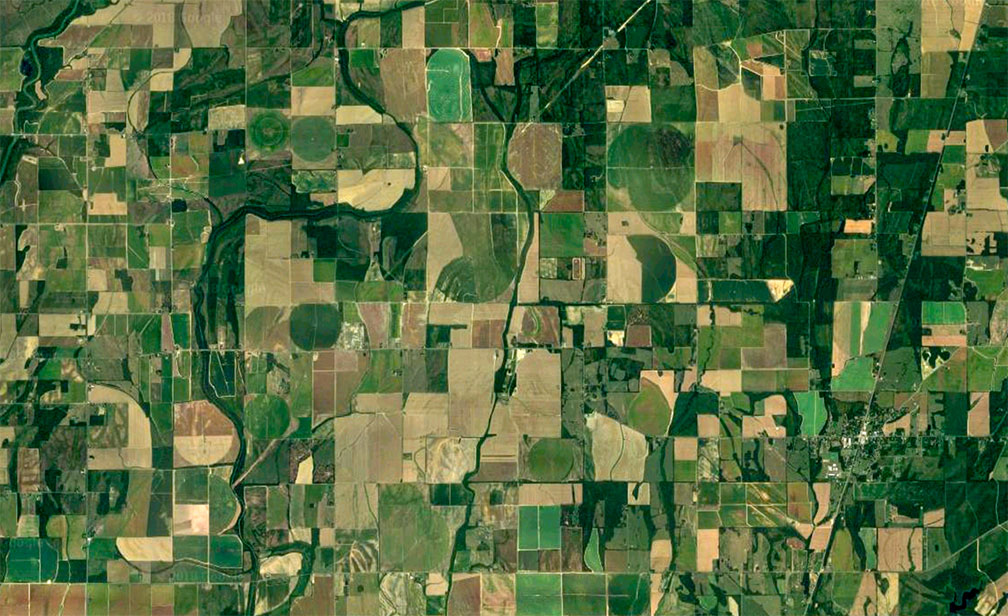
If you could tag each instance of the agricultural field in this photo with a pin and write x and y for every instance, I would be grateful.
(503, 307)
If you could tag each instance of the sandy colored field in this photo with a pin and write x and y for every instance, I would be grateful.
(443, 245)
(137, 452)
(203, 436)
(363, 443)
(470, 390)
(623, 271)
(146, 549)
(374, 190)
(618, 451)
